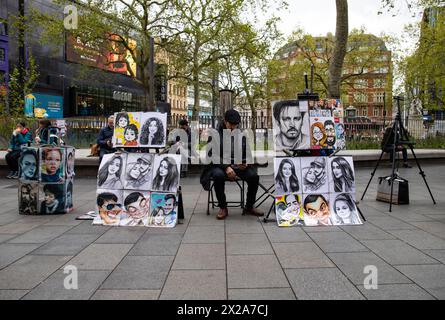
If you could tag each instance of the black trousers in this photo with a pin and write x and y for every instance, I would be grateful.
(103, 152)
(249, 175)
(12, 159)
(398, 149)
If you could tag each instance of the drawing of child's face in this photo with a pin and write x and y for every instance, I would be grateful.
(163, 168)
(122, 122)
(138, 209)
(336, 170)
(49, 198)
(114, 166)
(153, 128)
(318, 135)
(318, 209)
(130, 135)
(29, 166)
(287, 170)
(342, 209)
(53, 161)
(169, 205)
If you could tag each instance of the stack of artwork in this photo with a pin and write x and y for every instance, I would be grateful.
(301, 125)
(140, 129)
(46, 180)
(138, 189)
(315, 191)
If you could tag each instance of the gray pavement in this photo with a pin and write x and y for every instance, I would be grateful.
(239, 258)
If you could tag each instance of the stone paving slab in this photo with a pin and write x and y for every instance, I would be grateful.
(204, 234)
(122, 235)
(12, 294)
(261, 294)
(41, 234)
(12, 252)
(301, 255)
(100, 256)
(338, 241)
(367, 231)
(396, 292)
(118, 295)
(283, 235)
(250, 243)
(67, 245)
(429, 277)
(157, 245)
(200, 257)
(322, 284)
(420, 239)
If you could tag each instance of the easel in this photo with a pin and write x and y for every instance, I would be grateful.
(400, 138)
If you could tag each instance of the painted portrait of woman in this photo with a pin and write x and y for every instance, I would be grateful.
(70, 162)
(342, 175)
(344, 210)
(167, 175)
(109, 176)
(286, 179)
(28, 198)
(153, 132)
(318, 135)
(28, 164)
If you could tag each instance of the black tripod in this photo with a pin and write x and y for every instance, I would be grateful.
(400, 138)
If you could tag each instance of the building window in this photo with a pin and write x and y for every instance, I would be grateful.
(361, 83)
(364, 112)
(379, 97)
(360, 97)
(379, 83)
(3, 29)
(376, 112)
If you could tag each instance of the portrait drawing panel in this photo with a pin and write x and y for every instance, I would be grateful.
(138, 171)
(288, 210)
(166, 172)
(111, 174)
(136, 208)
(322, 132)
(314, 174)
(70, 156)
(52, 165)
(290, 126)
(316, 210)
(153, 129)
(341, 174)
(52, 199)
(29, 164)
(127, 128)
(343, 209)
(163, 210)
(287, 175)
(69, 188)
(109, 207)
(28, 198)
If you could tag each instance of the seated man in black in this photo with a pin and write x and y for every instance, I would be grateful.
(104, 140)
(387, 144)
(231, 170)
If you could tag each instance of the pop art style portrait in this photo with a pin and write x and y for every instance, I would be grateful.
(109, 207)
(136, 209)
(70, 157)
(290, 125)
(343, 209)
(166, 172)
(112, 171)
(314, 175)
(52, 165)
(28, 198)
(138, 174)
(341, 137)
(29, 165)
(288, 210)
(153, 130)
(331, 137)
(316, 210)
(53, 201)
(163, 210)
(126, 129)
(318, 134)
(287, 175)
(341, 174)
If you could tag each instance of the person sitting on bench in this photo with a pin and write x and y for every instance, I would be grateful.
(231, 170)
(387, 146)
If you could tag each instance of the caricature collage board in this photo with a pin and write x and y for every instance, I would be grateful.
(138, 189)
(46, 178)
(315, 191)
(308, 124)
(140, 129)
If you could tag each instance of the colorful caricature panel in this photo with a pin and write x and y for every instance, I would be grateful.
(52, 165)
(127, 128)
(316, 210)
(52, 199)
(153, 129)
(111, 174)
(287, 176)
(166, 172)
(28, 198)
(138, 171)
(109, 207)
(288, 210)
(136, 208)
(29, 164)
(163, 210)
(341, 174)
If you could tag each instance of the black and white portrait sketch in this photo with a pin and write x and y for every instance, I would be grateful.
(287, 175)
(166, 173)
(28, 198)
(53, 201)
(69, 195)
(291, 126)
(343, 209)
(70, 156)
(314, 175)
(153, 129)
(341, 172)
(29, 165)
(138, 175)
(111, 172)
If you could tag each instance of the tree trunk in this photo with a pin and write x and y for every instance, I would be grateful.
(338, 56)
(196, 96)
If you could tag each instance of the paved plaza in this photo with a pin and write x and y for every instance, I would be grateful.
(239, 258)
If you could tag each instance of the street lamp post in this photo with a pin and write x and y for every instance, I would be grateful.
(384, 109)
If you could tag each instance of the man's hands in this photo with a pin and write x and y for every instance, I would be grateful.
(231, 173)
(109, 143)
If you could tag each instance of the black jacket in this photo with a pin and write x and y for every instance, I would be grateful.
(105, 134)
